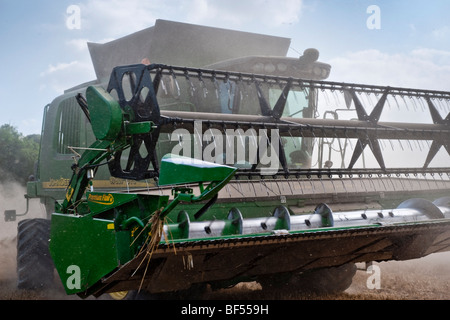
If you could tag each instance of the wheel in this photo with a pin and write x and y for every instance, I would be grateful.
(119, 295)
(34, 263)
(325, 281)
(318, 281)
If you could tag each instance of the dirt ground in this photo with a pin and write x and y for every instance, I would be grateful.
(427, 278)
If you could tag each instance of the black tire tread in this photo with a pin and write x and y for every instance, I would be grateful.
(34, 263)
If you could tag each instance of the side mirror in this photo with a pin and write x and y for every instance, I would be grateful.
(10, 215)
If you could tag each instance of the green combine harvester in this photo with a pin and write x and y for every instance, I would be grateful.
(240, 165)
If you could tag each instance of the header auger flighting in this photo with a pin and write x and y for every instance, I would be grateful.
(220, 177)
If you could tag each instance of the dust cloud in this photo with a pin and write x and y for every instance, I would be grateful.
(427, 278)
(12, 198)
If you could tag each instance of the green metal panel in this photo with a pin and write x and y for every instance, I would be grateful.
(178, 170)
(82, 244)
(106, 117)
(99, 242)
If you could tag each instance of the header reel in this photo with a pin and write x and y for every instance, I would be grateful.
(136, 94)
(143, 91)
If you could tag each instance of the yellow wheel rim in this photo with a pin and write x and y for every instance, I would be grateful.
(119, 295)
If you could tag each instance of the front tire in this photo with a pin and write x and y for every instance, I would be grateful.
(317, 281)
(34, 263)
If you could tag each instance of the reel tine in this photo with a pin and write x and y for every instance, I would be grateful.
(404, 101)
(369, 100)
(175, 81)
(418, 145)
(447, 101)
(325, 94)
(216, 85)
(422, 103)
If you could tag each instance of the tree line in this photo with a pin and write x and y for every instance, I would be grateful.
(18, 154)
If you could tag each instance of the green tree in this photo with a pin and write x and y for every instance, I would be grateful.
(18, 154)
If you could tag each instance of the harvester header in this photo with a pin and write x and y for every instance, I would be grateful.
(133, 122)
(234, 164)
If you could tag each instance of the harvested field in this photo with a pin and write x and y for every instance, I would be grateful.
(427, 278)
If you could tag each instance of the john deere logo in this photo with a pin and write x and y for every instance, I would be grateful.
(69, 193)
(105, 199)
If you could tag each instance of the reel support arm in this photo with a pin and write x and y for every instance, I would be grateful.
(113, 135)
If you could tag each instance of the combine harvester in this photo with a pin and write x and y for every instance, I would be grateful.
(240, 165)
